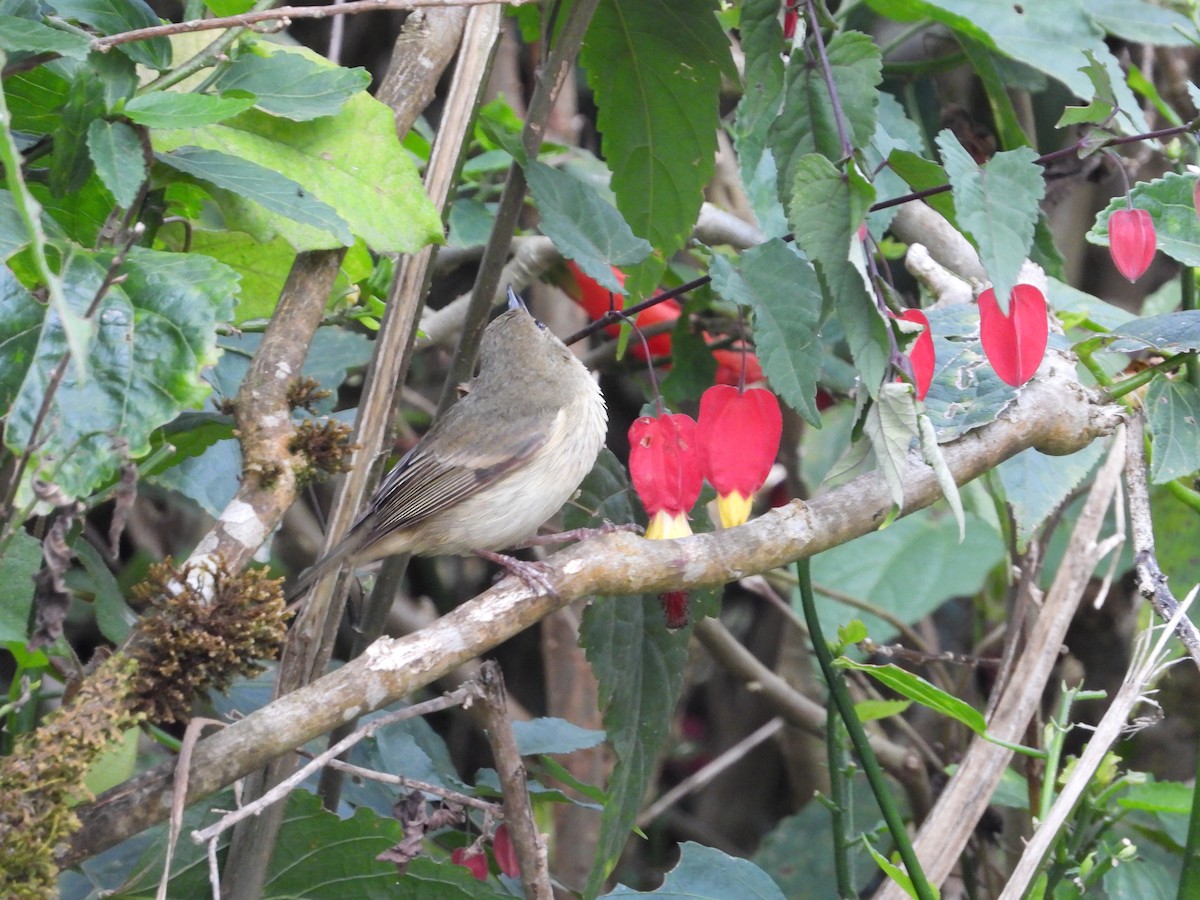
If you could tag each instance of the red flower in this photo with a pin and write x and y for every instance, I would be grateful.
(1015, 344)
(1131, 241)
(597, 301)
(921, 353)
(730, 364)
(738, 435)
(505, 853)
(665, 469)
(675, 608)
(475, 862)
(1196, 198)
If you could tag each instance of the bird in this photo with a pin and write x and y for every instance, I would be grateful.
(495, 466)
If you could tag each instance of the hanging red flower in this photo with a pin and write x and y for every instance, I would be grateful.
(665, 469)
(505, 853)
(597, 300)
(921, 354)
(738, 434)
(731, 362)
(1131, 241)
(1014, 344)
(475, 863)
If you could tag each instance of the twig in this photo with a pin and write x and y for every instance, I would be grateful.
(179, 790)
(425, 787)
(282, 14)
(1151, 581)
(1147, 663)
(514, 782)
(711, 770)
(948, 828)
(463, 696)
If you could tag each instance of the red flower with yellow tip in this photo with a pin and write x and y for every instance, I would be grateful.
(665, 469)
(738, 434)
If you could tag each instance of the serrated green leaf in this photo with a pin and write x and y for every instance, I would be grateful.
(891, 427)
(36, 98)
(658, 108)
(583, 226)
(917, 689)
(264, 186)
(639, 665)
(762, 45)
(117, 154)
(1035, 484)
(166, 109)
(117, 16)
(551, 735)
(263, 268)
(155, 332)
(1104, 100)
(1159, 797)
(998, 205)
(806, 124)
(825, 210)
(1169, 202)
(21, 560)
(352, 161)
(782, 289)
(293, 85)
(1173, 418)
(709, 873)
(27, 36)
(70, 164)
(20, 322)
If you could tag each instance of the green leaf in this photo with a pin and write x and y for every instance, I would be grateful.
(117, 155)
(825, 210)
(81, 214)
(922, 174)
(639, 665)
(13, 235)
(916, 565)
(26, 36)
(891, 427)
(20, 562)
(894, 872)
(352, 161)
(655, 67)
(583, 226)
(705, 872)
(762, 45)
(874, 710)
(807, 124)
(114, 618)
(167, 109)
(932, 454)
(917, 689)
(1173, 417)
(36, 98)
(263, 268)
(116, 16)
(20, 321)
(156, 331)
(293, 85)
(70, 164)
(997, 204)
(1103, 102)
(1142, 23)
(1177, 332)
(782, 289)
(1035, 485)
(1169, 202)
(551, 735)
(268, 188)
(1159, 797)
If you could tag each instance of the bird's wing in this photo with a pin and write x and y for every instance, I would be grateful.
(427, 481)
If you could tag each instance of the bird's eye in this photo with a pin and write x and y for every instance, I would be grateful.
(540, 324)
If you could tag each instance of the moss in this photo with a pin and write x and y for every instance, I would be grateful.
(325, 449)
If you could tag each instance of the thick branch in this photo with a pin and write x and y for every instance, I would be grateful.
(1053, 413)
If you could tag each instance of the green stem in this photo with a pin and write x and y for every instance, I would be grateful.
(1189, 878)
(1133, 382)
(1187, 291)
(858, 737)
(205, 57)
(835, 753)
(1184, 494)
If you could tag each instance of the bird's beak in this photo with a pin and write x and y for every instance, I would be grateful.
(515, 302)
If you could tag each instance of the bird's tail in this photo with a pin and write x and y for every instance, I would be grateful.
(322, 567)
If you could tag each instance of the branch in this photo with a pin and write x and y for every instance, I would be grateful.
(1053, 413)
(283, 15)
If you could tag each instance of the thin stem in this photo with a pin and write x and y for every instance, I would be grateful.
(835, 753)
(1187, 291)
(839, 115)
(1189, 878)
(858, 737)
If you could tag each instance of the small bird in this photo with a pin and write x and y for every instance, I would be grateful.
(496, 466)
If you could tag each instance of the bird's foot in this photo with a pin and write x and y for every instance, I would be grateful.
(533, 574)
